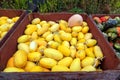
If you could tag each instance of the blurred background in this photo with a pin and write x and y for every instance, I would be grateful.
(74, 6)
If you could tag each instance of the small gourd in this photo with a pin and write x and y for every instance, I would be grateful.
(75, 20)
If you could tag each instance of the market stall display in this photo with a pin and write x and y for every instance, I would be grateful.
(108, 53)
(109, 63)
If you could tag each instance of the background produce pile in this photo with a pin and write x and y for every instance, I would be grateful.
(6, 24)
(77, 6)
(111, 30)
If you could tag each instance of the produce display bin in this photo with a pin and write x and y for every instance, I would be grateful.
(11, 13)
(101, 15)
(110, 63)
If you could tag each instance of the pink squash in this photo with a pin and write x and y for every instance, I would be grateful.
(75, 20)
